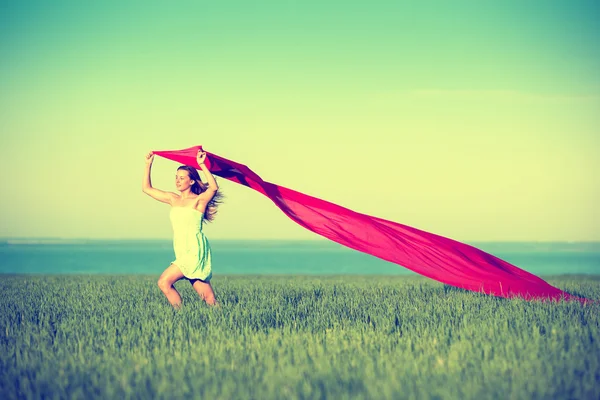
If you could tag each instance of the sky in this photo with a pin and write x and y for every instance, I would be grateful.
(474, 120)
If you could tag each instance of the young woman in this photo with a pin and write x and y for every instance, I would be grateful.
(195, 203)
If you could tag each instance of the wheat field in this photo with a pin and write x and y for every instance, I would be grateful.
(293, 337)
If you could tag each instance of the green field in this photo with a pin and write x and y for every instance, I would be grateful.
(293, 337)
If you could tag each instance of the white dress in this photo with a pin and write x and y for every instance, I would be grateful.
(192, 251)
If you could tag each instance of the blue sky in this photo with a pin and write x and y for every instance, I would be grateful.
(473, 120)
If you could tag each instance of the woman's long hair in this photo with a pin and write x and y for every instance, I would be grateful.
(200, 187)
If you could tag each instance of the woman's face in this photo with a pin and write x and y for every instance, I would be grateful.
(182, 180)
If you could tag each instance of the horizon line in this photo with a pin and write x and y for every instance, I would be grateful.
(7, 239)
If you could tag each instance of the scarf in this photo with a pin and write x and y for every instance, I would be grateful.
(439, 258)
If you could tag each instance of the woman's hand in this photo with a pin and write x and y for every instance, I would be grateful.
(149, 158)
(200, 157)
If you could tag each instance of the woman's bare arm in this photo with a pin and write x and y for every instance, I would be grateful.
(147, 188)
(212, 183)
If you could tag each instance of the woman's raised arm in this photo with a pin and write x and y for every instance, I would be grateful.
(211, 181)
(147, 188)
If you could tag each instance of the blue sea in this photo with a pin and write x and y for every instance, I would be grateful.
(255, 257)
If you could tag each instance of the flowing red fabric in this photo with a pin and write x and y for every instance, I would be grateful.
(436, 257)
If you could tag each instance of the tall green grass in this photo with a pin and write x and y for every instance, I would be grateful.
(293, 337)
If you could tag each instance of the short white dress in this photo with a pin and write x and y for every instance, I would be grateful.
(192, 250)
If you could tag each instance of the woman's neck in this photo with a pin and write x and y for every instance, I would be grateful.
(186, 194)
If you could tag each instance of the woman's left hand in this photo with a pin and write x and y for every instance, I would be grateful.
(200, 157)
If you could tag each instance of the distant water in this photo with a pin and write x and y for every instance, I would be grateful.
(267, 257)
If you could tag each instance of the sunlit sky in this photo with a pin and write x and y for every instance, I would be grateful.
(475, 120)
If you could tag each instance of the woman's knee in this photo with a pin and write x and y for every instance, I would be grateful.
(209, 298)
(208, 295)
(164, 284)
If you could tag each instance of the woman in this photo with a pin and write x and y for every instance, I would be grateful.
(195, 203)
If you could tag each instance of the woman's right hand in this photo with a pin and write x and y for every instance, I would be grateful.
(149, 158)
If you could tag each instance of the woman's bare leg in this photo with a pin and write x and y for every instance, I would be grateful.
(171, 275)
(205, 291)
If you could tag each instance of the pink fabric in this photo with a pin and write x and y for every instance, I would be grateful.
(436, 257)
